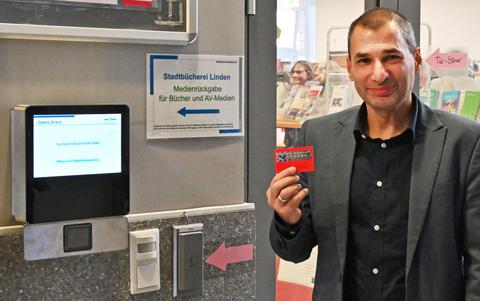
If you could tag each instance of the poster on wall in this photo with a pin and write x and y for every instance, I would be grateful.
(132, 21)
(191, 96)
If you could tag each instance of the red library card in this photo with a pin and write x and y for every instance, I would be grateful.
(300, 157)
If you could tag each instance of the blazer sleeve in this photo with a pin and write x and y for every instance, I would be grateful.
(295, 243)
(471, 227)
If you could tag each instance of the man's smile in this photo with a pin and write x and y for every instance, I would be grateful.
(382, 90)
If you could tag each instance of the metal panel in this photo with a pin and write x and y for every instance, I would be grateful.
(411, 10)
(408, 8)
(43, 241)
(369, 4)
(178, 281)
(18, 164)
(251, 7)
(261, 136)
(391, 4)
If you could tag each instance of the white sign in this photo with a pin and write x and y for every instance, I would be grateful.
(194, 96)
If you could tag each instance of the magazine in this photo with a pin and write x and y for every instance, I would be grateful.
(450, 101)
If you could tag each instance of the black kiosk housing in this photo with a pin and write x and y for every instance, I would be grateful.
(70, 173)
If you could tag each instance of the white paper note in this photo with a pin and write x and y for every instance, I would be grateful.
(302, 273)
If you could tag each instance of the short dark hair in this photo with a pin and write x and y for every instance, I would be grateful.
(376, 18)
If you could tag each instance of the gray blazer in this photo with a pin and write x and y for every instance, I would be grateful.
(443, 244)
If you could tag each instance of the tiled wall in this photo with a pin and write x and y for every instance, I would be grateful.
(106, 276)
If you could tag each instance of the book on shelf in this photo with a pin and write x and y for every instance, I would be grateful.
(429, 97)
(471, 104)
(450, 101)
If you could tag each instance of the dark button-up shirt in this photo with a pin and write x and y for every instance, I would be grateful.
(378, 215)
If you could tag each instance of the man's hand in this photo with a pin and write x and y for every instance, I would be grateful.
(285, 194)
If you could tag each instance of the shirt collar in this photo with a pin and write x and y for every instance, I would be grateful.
(361, 119)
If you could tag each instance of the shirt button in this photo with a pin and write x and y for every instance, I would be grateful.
(376, 227)
(383, 145)
(379, 183)
(363, 136)
(375, 271)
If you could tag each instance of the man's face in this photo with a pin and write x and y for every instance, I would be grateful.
(382, 67)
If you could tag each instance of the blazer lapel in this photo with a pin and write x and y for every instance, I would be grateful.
(344, 152)
(427, 151)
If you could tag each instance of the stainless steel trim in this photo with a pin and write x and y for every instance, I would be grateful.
(136, 217)
(18, 164)
(11, 230)
(84, 34)
(251, 7)
(192, 20)
(42, 241)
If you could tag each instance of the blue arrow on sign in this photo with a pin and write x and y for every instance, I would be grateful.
(184, 111)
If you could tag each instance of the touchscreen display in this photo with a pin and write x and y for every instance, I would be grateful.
(76, 144)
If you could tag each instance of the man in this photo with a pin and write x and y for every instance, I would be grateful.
(394, 202)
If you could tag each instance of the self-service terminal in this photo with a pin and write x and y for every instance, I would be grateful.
(70, 178)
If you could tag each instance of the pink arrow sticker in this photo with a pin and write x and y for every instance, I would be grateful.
(439, 60)
(223, 256)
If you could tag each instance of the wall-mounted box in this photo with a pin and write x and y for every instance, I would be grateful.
(70, 178)
(69, 162)
(188, 259)
(144, 261)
